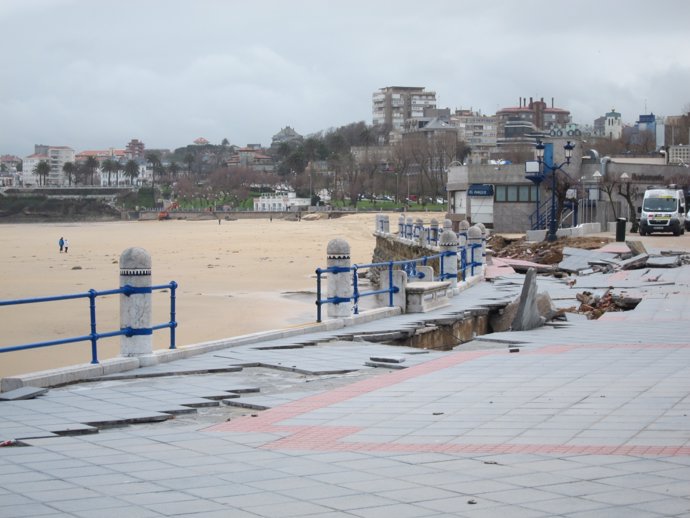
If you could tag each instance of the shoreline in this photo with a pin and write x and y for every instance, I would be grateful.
(236, 278)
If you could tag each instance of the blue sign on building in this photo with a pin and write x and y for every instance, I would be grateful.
(480, 189)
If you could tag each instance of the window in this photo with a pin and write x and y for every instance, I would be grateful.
(515, 193)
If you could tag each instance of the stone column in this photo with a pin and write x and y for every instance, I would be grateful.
(386, 224)
(449, 243)
(485, 237)
(418, 226)
(401, 226)
(135, 303)
(408, 228)
(433, 231)
(340, 280)
(474, 250)
(463, 227)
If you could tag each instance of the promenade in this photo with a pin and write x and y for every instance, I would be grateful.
(573, 419)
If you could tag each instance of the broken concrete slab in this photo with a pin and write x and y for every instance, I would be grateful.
(387, 359)
(22, 393)
(637, 261)
(667, 261)
(527, 316)
(576, 260)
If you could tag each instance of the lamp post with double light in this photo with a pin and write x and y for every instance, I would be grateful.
(554, 168)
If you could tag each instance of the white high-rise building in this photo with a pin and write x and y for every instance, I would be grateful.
(392, 105)
(56, 156)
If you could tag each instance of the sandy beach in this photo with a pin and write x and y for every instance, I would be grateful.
(235, 278)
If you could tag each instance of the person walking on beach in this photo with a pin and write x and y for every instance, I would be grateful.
(66, 245)
(61, 243)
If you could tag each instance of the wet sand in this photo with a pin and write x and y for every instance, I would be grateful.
(236, 278)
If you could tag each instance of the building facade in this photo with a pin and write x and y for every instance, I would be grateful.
(516, 123)
(56, 156)
(393, 105)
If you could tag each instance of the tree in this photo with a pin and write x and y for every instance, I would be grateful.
(131, 170)
(91, 165)
(173, 169)
(70, 171)
(155, 160)
(225, 142)
(629, 192)
(609, 185)
(109, 166)
(42, 170)
(189, 160)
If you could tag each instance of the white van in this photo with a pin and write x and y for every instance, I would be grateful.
(663, 210)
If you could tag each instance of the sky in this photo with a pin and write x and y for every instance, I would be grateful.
(93, 74)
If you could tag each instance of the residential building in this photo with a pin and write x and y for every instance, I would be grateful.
(478, 131)
(609, 126)
(679, 155)
(135, 150)
(251, 158)
(280, 202)
(288, 136)
(515, 124)
(393, 105)
(56, 156)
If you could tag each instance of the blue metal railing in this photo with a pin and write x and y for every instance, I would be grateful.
(94, 336)
(408, 265)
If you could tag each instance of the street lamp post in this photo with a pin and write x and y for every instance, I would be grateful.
(568, 148)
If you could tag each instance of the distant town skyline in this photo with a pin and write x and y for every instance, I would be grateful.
(93, 75)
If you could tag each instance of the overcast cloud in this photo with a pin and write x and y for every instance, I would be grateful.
(92, 74)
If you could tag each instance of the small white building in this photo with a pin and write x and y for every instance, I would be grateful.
(280, 202)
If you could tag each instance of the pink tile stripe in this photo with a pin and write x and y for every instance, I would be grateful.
(333, 438)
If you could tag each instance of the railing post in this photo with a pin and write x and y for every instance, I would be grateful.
(391, 288)
(135, 303)
(318, 294)
(401, 226)
(173, 322)
(355, 290)
(92, 318)
(339, 283)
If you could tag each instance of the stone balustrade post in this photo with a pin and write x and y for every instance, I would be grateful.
(408, 228)
(433, 231)
(474, 245)
(449, 243)
(135, 303)
(339, 282)
(401, 226)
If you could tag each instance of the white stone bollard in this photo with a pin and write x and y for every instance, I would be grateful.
(433, 231)
(408, 228)
(135, 307)
(449, 243)
(386, 224)
(339, 282)
(401, 226)
(485, 238)
(463, 227)
(474, 245)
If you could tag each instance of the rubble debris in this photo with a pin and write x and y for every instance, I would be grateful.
(594, 306)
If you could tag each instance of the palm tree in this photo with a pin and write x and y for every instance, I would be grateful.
(42, 170)
(70, 170)
(155, 160)
(118, 169)
(109, 166)
(189, 160)
(173, 169)
(91, 165)
(131, 170)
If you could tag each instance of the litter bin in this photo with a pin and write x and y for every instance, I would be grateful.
(620, 229)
